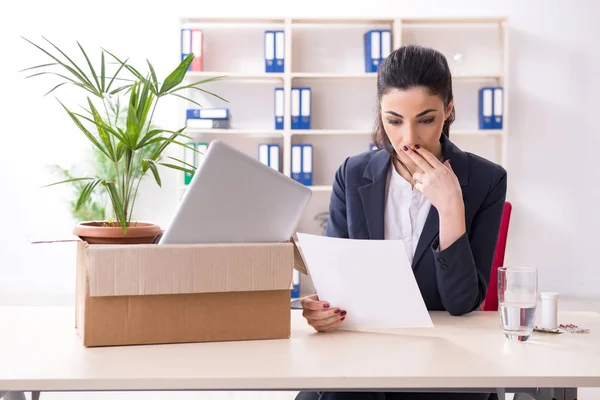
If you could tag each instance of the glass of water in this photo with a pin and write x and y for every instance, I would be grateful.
(517, 298)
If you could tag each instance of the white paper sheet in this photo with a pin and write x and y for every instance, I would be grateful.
(371, 279)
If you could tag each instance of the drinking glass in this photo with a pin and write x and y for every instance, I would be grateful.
(517, 298)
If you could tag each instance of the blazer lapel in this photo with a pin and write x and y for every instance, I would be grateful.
(373, 198)
(431, 229)
(372, 194)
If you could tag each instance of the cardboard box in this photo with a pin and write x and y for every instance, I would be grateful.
(152, 294)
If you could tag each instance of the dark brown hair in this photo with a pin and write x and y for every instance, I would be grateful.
(413, 66)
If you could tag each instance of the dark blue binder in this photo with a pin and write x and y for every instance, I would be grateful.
(269, 51)
(305, 107)
(486, 107)
(306, 177)
(278, 108)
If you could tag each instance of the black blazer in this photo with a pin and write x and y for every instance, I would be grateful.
(455, 279)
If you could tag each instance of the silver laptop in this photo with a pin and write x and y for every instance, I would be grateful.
(234, 198)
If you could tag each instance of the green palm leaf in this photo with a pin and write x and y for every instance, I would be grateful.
(117, 204)
(177, 167)
(150, 164)
(176, 77)
(87, 133)
(83, 77)
(68, 181)
(86, 193)
(91, 68)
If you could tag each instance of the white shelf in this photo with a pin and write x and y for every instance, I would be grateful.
(338, 132)
(321, 188)
(238, 76)
(482, 77)
(205, 20)
(341, 21)
(476, 132)
(326, 54)
(442, 22)
(314, 188)
(373, 75)
(240, 132)
(333, 75)
(326, 132)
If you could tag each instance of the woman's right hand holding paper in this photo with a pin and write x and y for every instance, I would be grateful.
(320, 315)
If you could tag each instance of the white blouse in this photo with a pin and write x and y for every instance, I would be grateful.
(406, 210)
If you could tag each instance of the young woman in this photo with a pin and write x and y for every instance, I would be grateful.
(445, 204)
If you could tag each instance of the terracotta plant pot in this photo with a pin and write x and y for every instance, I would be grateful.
(99, 232)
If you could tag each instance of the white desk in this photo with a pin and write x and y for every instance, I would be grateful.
(41, 352)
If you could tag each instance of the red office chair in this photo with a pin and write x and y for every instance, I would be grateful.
(491, 299)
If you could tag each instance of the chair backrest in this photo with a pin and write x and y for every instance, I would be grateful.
(491, 298)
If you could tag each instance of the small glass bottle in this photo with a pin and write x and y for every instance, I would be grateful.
(549, 310)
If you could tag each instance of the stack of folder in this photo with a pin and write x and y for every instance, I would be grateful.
(274, 51)
(491, 107)
(300, 109)
(269, 154)
(377, 46)
(302, 163)
(192, 41)
(207, 118)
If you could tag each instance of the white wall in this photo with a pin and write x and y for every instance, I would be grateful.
(553, 141)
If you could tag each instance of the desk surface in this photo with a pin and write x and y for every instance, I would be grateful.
(39, 350)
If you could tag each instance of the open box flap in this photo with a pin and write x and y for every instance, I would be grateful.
(52, 237)
(299, 263)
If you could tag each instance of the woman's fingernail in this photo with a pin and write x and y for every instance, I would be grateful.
(326, 305)
(404, 148)
(343, 318)
(343, 313)
(337, 311)
(417, 146)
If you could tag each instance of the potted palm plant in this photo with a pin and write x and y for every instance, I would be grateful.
(113, 87)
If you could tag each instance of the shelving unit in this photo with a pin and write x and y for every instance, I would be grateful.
(327, 55)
